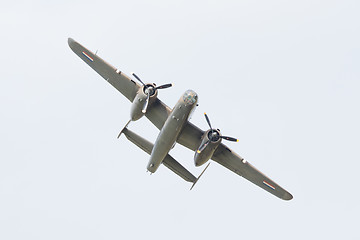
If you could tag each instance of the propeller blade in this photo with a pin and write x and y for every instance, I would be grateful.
(208, 121)
(146, 103)
(223, 137)
(164, 86)
(202, 147)
(229, 138)
(138, 79)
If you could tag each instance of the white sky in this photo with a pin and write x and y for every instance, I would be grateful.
(282, 76)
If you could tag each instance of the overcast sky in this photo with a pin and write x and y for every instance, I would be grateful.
(282, 76)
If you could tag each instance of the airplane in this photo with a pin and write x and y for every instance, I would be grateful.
(174, 126)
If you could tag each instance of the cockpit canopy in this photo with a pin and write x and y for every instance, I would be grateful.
(190, 97)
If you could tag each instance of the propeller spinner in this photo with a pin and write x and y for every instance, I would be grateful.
(149, 90)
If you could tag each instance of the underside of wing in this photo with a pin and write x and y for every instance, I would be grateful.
(115, 77)
(157, 113)
(190, 136)
(224, 156)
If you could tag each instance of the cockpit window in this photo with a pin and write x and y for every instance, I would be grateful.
(190, 97)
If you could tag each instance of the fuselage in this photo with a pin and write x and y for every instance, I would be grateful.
(172, 128)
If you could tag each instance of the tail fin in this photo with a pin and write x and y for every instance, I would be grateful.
(124, 128)
(199, 176)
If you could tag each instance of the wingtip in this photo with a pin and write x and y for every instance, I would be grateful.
(287, 196)
(71, 42)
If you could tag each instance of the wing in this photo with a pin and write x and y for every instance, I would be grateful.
(157, 112)
(115, 77)
(224, 156)
(191, 138)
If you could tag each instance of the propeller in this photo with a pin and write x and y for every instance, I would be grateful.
(150, 90)
(214, 136)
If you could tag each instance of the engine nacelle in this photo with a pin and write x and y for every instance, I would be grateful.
(202, 157)
(136, 111)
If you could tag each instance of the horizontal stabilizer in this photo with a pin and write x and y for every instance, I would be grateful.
(168, 161)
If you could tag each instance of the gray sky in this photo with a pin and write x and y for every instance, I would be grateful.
(282, 76)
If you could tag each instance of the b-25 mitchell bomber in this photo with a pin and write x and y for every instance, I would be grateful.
(174, 127)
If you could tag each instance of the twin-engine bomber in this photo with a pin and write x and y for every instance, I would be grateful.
(174, 127)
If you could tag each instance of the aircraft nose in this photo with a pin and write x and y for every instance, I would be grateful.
(190, 97)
